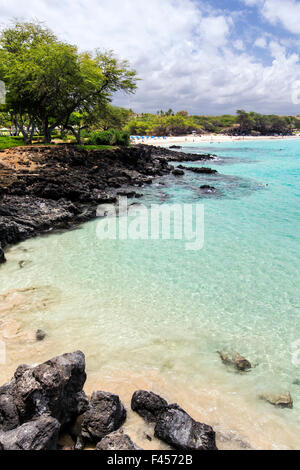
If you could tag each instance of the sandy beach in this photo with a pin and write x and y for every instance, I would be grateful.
(209, 138)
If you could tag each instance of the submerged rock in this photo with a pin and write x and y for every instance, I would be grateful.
(281, 401)
(206, 187)
(40, 335)
(117, 441)
(175, 147)
(53, 388)
(202, 170)
(236, 360)
(178, 172)
(105, 414)
(175, 427)
(39, 434)
(148, 405)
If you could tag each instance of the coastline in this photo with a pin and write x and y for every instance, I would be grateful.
(209, 400)
(212, 138)
(46, 188)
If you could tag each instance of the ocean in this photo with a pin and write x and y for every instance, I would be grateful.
(152, 314)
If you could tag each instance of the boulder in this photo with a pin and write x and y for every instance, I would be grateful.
(39, 434)
(178, 172)
(235, 360)
(175, 427)
(9, 418)
(54, 388)
(105, 414)
(281, 401)
(117, 441)
(148, 405)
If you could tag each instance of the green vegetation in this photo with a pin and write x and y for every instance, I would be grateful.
(110, 137)
(54, 91)
(261, 124)
(49, 80)
(169, 123)
(163, 124)
(10, 142)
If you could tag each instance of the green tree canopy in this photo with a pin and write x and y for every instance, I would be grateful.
(47, 80)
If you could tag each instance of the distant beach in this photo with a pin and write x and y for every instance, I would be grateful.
(210, 138)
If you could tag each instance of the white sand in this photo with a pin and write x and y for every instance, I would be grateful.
(209, 138)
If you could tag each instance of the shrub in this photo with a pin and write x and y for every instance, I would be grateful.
(110, 137)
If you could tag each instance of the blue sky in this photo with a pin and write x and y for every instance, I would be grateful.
(205, 56)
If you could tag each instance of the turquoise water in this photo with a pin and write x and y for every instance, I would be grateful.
(145, 306)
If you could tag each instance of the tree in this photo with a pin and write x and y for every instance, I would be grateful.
(48, 80)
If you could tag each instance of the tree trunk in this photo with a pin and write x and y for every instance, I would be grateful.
(47, 131)
(25, 136)
(77, 134)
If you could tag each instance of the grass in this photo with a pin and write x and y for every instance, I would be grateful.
(10, 142)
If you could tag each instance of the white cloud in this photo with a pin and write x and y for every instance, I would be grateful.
(252, 3)
(185, 56)
(214, 30)
(261, 42)
(239, 45)
(286, 12)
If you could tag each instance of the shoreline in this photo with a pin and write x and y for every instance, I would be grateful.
(184, 397)
(47, 188)
(237, 423)
(213, 138)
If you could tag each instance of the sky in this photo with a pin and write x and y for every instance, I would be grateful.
(203, 56)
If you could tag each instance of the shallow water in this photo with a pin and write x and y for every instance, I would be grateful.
(150, 314)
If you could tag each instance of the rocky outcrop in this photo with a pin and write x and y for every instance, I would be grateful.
(283, 400)
(117, 441)
(39, 434)
(235, 360)
(54, 388)
(2, 256)
(44, 408)
(148, 405)
(200, 170)
(172, 424)
(180, 156)
(22, 217)
(105, 414)
(175, 427)
(9, 417)
(58, 187)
